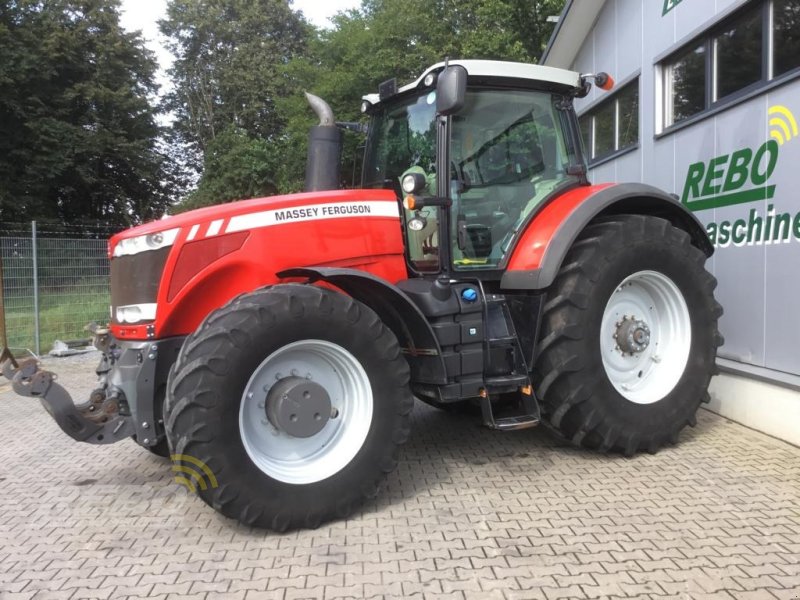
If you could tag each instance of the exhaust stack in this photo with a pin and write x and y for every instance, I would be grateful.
(324, 149)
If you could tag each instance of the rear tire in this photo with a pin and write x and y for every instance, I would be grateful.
(601, 389)
(220, 394)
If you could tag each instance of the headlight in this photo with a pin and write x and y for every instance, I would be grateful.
(143, 243)
(413, 183)
(418, 223)
(134, 313)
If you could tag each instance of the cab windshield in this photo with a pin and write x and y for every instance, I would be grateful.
(508, 154)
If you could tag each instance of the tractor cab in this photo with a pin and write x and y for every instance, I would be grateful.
(506, 139)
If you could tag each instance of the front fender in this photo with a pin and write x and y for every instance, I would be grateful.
(396, 310)
(543, 246)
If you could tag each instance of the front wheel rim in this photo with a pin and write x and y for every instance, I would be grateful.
(308, 460)
(651, 306)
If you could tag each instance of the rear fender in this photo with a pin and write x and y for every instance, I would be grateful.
(397, 312)
(543, 246)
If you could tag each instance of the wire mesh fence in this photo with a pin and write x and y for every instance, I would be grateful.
(55, 280)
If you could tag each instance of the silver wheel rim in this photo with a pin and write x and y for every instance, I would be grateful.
(308, 460)
(653, 302)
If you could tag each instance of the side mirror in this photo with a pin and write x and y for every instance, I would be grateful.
(451, 90)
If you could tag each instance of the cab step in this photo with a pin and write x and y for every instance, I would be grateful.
(527, 414)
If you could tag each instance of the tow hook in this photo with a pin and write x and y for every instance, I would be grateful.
(96, 421)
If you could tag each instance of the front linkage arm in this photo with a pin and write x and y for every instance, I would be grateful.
(96, 421)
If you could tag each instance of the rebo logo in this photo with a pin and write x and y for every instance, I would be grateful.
(741, 177)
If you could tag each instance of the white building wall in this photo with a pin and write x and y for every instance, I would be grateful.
(759, 284)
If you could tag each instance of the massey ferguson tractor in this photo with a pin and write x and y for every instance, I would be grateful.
(274, 347)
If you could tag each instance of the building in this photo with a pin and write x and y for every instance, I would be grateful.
(706, 105)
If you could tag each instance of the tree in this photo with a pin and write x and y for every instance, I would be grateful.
(245, 64)
(400, 38)
(237, 166)
(78, 137)
(229, 72)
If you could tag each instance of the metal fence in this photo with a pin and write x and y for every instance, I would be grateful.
(55, 280)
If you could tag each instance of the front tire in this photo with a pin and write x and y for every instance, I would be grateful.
(629, 336)
(297, 400)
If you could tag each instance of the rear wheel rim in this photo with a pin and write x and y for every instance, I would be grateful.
(308, 460)
(651, 305)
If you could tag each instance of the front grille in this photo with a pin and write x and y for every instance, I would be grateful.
(135, 279)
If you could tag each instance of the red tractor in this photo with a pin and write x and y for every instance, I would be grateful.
(274, 347)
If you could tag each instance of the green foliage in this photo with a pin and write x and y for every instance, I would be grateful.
(237, 166)
(78, 136)
(229, 66)
(77, 130)
(224, 79)
(63, 315)
(400, 38)
(229, 79)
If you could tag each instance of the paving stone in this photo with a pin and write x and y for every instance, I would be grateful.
(469, 513)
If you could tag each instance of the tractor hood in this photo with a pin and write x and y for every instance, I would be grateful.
(230, 210)
(166, 276)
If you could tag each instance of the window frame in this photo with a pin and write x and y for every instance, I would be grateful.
(591, 110)
(665, 123)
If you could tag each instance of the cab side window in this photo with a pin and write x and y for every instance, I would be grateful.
(508, 154)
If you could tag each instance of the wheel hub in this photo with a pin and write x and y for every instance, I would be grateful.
(298, 406)
(632, 335)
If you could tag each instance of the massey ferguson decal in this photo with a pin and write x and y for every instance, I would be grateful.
(297, 214)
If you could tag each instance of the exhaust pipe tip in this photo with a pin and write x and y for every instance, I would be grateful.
(322, 110)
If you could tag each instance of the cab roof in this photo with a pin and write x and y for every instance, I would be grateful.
(497, 69)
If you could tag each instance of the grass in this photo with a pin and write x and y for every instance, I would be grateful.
(62, 316)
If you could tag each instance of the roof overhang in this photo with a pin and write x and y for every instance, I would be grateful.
(574, 25)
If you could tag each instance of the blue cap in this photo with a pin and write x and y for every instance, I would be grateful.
(469, 295)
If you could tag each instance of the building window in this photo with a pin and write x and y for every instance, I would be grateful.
(785, 36)
(686, 84)
(736, 55)
(612, 125)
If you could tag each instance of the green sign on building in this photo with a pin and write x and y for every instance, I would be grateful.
(669, 5)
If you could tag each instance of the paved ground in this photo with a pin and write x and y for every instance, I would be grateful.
(469, 513)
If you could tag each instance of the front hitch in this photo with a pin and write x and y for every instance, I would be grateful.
(97, 421)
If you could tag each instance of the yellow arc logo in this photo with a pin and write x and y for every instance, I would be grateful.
(782, 124)
(193, 473)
